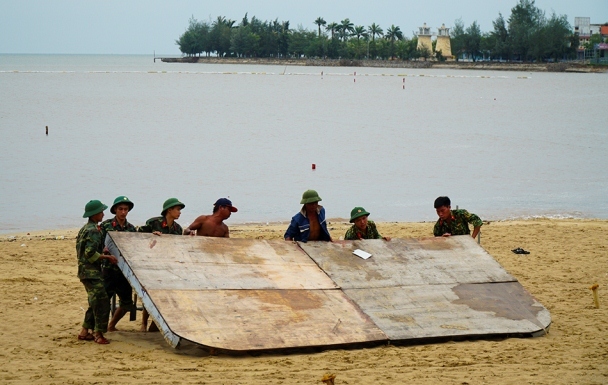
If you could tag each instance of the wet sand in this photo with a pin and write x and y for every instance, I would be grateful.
(42, 306)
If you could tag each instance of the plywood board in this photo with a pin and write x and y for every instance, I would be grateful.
(243, 294)
(436, 311)
(406, 262)
(265, 319)
(197, 263)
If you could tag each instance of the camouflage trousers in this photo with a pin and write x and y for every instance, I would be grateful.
(98, 313)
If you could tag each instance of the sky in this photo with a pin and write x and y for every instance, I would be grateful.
(147, 26)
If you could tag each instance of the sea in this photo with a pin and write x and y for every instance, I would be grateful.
(501, 144)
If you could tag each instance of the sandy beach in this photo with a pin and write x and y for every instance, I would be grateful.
(42, 307)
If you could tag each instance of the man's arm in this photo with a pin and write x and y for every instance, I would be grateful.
(475, 221)
(351, 234)
(194, 226)
(92, 247)
(437, 231)
(291, 231)
(152, 226)
(476, 231)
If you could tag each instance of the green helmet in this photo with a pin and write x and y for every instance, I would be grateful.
(119, 200)
(310, 196)
(92, 208)
(171, 202)
(356, 213)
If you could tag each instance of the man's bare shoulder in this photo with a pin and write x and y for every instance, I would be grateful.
(202, 218)
(196, 224)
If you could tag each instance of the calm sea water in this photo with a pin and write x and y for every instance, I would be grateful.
(500, 144)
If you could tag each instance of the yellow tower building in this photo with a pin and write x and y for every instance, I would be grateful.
(443, 42)
(424, 39)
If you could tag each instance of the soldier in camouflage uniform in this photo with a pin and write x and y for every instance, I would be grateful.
(454, 222)
(114, 280)
(165, 224)
(362, 228)
(89, 248)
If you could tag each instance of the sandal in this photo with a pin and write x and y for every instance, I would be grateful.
(86, 337)
(101, 340)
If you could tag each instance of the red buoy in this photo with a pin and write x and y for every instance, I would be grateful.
(314, 166)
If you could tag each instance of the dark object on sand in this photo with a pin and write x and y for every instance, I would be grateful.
(519, 250)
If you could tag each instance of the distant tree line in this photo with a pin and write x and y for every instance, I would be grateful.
(526, 35)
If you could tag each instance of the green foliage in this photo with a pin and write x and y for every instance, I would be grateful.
(299, 42)
(195, 39)
(406, 48)
(320, 22)
(501, 48)
(375, 30)
(332, 28)
(472, 41)
(424, 52)
(487, 44)
(439, 56)
(526, 35)
(525, 25)
(345, 29)
(244, 43)
(393, 34)
(596, 38)
(556, 38)
(221, 34)
(458, 38)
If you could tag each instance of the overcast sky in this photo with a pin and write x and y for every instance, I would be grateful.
(145, 26)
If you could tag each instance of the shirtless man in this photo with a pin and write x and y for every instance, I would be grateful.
(309, 224)
(213, 225)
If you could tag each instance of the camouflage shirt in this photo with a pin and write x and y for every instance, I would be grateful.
(354, 233)
(113, 225)
(88, 250)
(160, 224)
(458, 225)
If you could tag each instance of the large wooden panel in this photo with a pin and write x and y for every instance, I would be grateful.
(242, 294)
(406, 262)
(264, 319)
(435, 311)
(196, 263)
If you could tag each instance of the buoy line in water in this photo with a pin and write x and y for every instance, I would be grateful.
(266, 73)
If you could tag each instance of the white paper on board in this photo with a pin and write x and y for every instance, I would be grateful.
(362, 254)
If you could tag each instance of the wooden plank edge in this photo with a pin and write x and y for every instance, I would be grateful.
(171, 338)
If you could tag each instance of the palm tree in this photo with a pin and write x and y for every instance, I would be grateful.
(346, 28)
(319, 22)
(359, 31)
(374, 30)
(332, 27)
(220, 20)
(392, 34)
